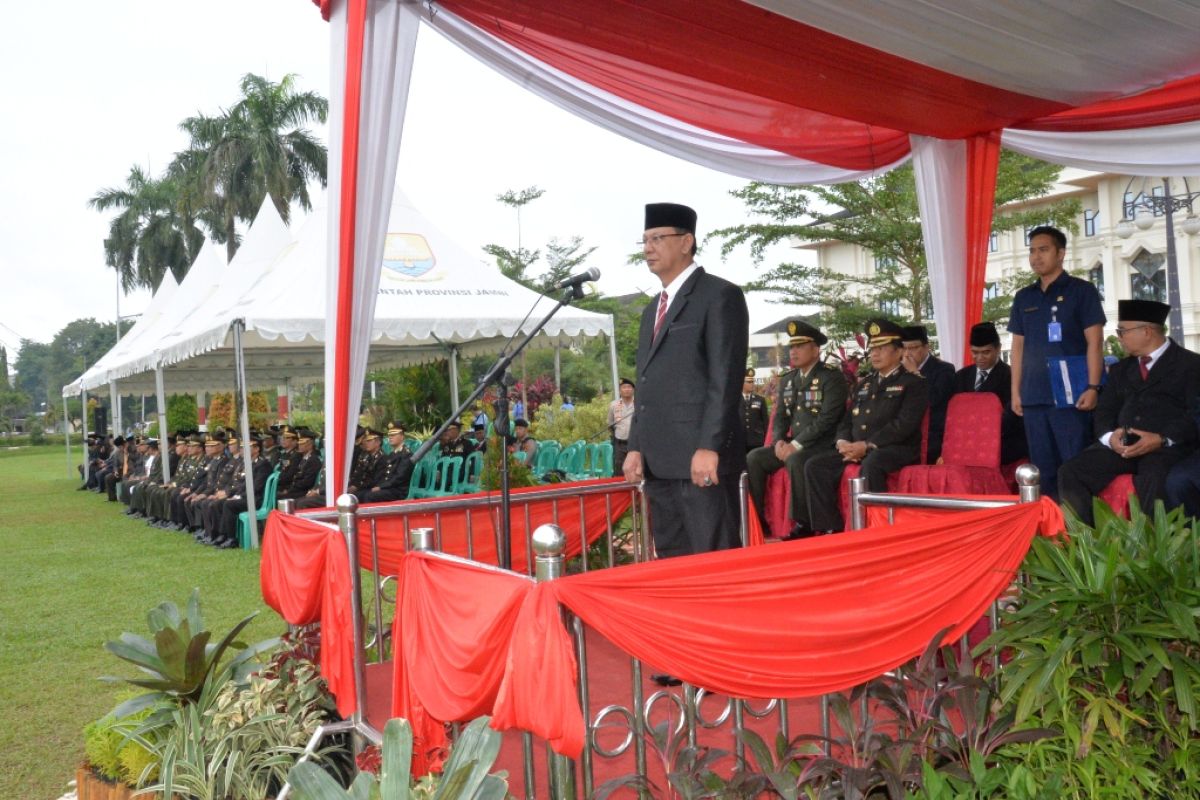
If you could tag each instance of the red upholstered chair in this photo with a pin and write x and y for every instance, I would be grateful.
(970, 451)
(1117, 493)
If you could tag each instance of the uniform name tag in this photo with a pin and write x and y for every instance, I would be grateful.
(893, 390)
(1054, 331)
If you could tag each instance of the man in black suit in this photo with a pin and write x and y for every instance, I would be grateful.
(990, 374)
(882, 431)
(1145, 419)
(686, 440)
(939, 378)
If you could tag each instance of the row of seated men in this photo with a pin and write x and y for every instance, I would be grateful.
(820, 424)
(1146, 423)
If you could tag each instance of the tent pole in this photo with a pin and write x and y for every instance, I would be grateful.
(244, 412)
(612, 361)
(558, 368)
(67, 433)
(87, 464)
(161, 394)
(287, 389)
(112, 406)
(454, 377)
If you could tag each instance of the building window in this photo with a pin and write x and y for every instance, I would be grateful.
(885, 263)
(1096, 278)
(1029, 230)
(1128, 203)
(1148, 280)
(1158, 191)
(993, 242)
(991, 291)
(889, 308)
(1089, 221)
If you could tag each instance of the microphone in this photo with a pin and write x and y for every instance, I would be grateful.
(592, 274)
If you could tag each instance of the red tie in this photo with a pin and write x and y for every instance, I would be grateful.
(662, 313)
(1144, 366)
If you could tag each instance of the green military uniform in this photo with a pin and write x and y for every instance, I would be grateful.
(158, 501)
(807, 412)
(887, 416)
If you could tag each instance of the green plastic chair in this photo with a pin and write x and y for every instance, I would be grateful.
(601, 465)
(421, 482)
(472, 470)
(547, 457)
(260, 513)
(447, 476)
(576, 468)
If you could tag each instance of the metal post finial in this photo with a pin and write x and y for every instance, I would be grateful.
(549, 544)
(858, 517)
(347, 504)
(1029, 483)
(420, 539)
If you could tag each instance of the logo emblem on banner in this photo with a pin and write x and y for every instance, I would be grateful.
(407, 255)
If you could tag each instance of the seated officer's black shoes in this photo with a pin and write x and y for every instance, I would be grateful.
(663, 679)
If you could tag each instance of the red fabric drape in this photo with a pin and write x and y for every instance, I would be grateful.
(305, 576)
(1170, 104)
(451, 645)
(337, 472)
(454, 524)
(755, 76)
(857, 605)
(983, 157)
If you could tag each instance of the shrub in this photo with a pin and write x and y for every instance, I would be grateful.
(589, 421)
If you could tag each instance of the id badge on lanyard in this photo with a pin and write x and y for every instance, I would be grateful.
(1054, 327)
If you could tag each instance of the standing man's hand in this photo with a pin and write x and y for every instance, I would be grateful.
(1087, 401)
(633, 467)
(1015, 404)
(704, 468)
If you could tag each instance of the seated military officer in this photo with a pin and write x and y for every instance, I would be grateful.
(810, 404)
(882, 432)
(1144, 420)
(754, 413)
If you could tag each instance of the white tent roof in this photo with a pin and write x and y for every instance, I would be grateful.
(433, 295)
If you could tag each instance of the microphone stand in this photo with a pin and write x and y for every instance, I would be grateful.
(498, 375)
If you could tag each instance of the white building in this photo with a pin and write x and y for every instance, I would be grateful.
(1121, 268)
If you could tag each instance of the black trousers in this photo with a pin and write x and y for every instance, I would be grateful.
(823, 481)
(1086, 475)
(761, 463)
(620, 450)
(686, 519)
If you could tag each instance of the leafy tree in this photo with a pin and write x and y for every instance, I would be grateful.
(881, 215)
(4, 382)
(43, 369)
(154, 232)
(181, 413)
(418, 396)
(562, 259)
(257, 147)
(13, 404)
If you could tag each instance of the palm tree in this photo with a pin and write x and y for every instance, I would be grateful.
(257, 147)
(154, 232)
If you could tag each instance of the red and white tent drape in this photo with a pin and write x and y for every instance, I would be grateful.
(786, 91)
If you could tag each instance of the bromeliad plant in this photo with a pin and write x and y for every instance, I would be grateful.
(182, 663)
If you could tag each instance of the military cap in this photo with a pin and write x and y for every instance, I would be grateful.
(273, 428)
(800, 332)
(305, 434)
(750, 373)
(915, 333)
(359, 433)
(984, 334)
(120, 440)
(626, 381)
(196, 439)
(289, 432)
(670, 215)
(215, 438)
(371, 433)
(1142, 311)
(883, 331)
(152, 443)
(395, 428)
(256, 437)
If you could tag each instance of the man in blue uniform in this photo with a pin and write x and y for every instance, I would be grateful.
(1057, 316)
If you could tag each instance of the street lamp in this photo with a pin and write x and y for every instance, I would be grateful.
(1144, 208)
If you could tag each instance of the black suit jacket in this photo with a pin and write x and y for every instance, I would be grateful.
(689, 386)
(1013, 446)
(1165, 403)
(939, 378)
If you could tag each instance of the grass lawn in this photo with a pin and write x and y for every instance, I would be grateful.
(75, 572)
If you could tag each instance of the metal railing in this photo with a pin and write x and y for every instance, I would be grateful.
(688, 712)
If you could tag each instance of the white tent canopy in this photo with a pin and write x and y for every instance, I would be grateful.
(434, 298)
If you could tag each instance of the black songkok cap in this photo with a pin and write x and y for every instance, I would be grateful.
(915, 333)
(670, 215)
(985, 335)
(1142, 311)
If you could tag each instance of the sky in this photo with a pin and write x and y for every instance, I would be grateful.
(93, 89)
